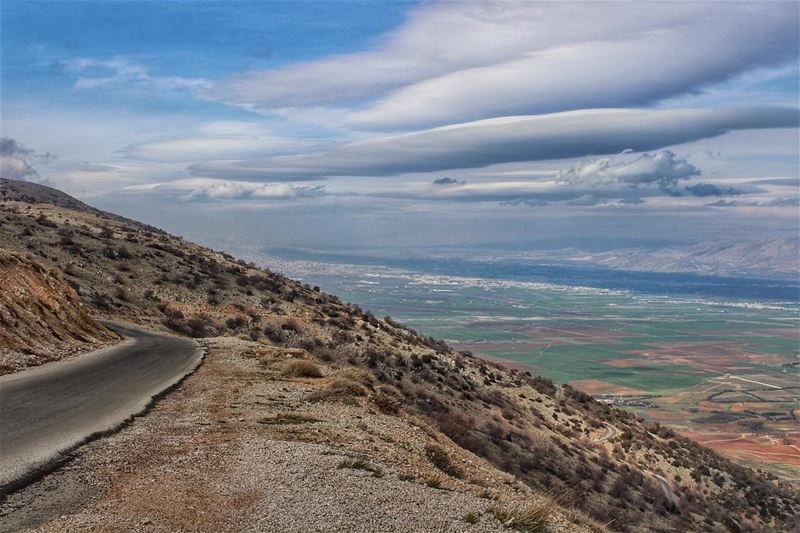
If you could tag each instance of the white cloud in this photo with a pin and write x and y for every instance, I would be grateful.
(218, 147)
(506, 140)
(458, 61)
(16, 168)
(663, 169)
(200, 189)
(91, 73)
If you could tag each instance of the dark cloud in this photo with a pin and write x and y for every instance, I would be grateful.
(15, 160)
(781, 201)
(709, 189)
(635, 200)
(446, 181)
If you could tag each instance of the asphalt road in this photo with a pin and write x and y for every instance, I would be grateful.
(47, 411)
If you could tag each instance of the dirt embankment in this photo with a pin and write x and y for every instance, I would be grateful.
(41, 317)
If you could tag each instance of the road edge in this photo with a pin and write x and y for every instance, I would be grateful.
(65, 456)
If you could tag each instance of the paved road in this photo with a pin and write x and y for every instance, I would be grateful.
(48, 410)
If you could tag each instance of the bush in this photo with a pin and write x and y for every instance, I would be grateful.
(201, 326)
(301, 368)
(364, 377)
(360, 464)
(275, 334)
(235, 323)
(339, 389)
(471, 518)
(531, 519)
(439, 457)
(387, 400)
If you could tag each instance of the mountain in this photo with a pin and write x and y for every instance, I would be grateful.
(776, 257)
(410, 414)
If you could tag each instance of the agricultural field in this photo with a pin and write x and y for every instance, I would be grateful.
(725, 372)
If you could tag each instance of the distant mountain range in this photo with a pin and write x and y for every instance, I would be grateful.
(778, 257)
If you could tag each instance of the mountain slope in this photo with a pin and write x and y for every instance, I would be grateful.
(41, 317)
(611, 465)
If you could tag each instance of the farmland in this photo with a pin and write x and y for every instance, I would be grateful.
(721, 371)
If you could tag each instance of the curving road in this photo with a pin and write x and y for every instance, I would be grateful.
(47, 411)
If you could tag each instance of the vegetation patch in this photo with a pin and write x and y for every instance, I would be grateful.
(301, 368)
(339, 389)
(357, 463)
(528, 519)
(439, 457)
(288, 418)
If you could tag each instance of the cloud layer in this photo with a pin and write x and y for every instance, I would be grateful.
(200, 189)
(454, 62)
(507, 140)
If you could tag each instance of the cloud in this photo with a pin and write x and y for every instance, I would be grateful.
(709, 189)
(92, 73)
(781, 201)
(446, 181)
(221, 146)
(210, 190)
(663, 170)
(506, 140)
(457, 61)
(15, 160)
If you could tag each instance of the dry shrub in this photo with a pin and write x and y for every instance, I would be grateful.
(301, 368)
(532, 518)
(388, 400)
(339, 389)
(439, 457)
(359, 375)
(356, 463)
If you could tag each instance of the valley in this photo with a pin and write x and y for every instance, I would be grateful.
(722, 371)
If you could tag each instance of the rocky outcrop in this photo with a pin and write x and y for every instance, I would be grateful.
(41, 317)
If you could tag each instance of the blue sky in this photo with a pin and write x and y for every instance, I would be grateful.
(306, 114)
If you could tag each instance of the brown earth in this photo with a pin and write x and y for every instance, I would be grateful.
(41, 317)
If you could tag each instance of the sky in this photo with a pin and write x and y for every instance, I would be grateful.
(412, 124)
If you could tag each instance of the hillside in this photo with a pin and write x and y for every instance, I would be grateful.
(296, 371)
(41, 317)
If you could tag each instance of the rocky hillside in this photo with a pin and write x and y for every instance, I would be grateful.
(601, 468)
(41, 317)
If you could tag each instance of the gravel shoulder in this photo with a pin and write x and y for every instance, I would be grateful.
(239, 447)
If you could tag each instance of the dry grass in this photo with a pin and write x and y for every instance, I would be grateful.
(339, 389)
(359, 375)
(387, 400)
(439, 457)
(301, 368)
(532, 518)
(356, 463)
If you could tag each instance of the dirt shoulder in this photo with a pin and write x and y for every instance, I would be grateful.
(240, 447)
